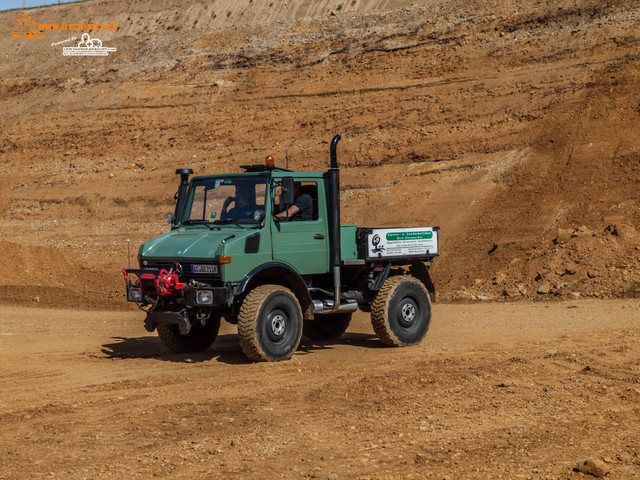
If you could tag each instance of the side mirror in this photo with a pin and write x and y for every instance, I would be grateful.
(258, 215)
(169, 217)
(288, 191)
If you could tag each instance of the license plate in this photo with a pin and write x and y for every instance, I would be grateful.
(204, 269)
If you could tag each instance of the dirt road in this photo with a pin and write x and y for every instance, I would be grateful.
(495, 391)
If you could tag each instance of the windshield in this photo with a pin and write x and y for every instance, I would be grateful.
(226, 199)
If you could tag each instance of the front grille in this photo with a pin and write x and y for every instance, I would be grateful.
(213, 279)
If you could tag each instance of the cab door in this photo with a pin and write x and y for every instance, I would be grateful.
(304, 245)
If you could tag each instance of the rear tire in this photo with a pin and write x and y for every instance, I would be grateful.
(199, 338)
(270, 323)
(401, 311)
(327, 326)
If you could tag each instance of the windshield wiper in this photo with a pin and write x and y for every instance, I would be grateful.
(206, 223)
(230, 220)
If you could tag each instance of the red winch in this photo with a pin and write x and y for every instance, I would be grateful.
(167, 283)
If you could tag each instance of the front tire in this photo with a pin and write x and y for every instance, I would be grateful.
(401, 311)
(270, 323)
(328, 326)
(199, 338)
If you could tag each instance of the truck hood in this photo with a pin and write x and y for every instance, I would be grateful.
(197, 242)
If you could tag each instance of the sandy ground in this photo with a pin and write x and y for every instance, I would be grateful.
(494, 391)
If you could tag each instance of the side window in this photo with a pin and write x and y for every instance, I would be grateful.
(306, 199)
(311, 189)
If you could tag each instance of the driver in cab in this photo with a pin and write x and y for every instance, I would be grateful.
(242, 209)
(301, 210)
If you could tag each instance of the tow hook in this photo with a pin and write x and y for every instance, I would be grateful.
(203, 316)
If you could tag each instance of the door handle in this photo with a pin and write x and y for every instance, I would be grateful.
(318, 236)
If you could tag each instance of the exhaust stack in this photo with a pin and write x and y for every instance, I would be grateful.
(334, 235)
(180, 196)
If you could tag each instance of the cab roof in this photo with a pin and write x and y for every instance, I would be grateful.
(263, 168)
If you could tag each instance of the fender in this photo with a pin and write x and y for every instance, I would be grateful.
(296, 282)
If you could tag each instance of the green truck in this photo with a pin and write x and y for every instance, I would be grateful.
(264, 249)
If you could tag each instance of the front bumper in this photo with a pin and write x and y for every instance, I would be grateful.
(203, 297)
(141, 289)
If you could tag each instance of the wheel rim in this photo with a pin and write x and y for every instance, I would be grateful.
(277, 323)
(408, 311)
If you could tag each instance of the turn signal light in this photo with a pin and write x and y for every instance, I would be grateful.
(224, 259)
(269, 163)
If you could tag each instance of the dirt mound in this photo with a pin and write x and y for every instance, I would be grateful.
(505, 125)
(577, 262)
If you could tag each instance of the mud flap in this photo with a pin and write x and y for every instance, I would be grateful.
(421, 272)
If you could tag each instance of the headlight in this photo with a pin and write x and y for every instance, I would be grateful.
(204, 297)
(134, 294)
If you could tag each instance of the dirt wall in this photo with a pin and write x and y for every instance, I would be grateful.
(514, 127)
